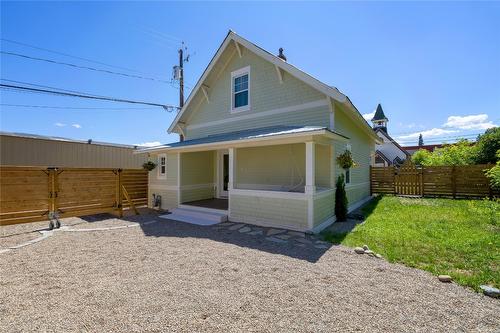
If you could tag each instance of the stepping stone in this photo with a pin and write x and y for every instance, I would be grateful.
(284, 236)
(272, 232)
(301, 245)
(490, 291)
(225, 224)
(256, 232)
(245, 229)
(444, 278)
(320, 242)
(297, 233)
(304, 240)
(276, 240)
(236, 227)
(359, 250)
(321, 246)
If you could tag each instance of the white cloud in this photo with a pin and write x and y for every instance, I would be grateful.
(59, 124)
(472, 122)
(148, 144)
(369, 116)
(77, 126)
(427, 133)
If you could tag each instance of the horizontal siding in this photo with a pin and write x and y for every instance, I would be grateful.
(271, 165)
(193, 194)
(324, 208)
(20, 151)
(197, 168)
(278, 212)
(168, 197)
(266, 93)
(318, 116)
(171, 179)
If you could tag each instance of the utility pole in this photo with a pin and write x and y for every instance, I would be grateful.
(181, 78)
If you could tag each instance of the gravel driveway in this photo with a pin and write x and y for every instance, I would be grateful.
(170, 276)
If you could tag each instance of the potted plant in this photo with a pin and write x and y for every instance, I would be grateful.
(149, 165)
(345, 160)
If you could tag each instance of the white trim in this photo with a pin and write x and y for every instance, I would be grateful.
(237, 73)
(220, 174)
(310, 187)
(325, 224)
(159, 174)
(293, 108)
(179, 165)
(268, 194)
(164, 187)
(196, 186)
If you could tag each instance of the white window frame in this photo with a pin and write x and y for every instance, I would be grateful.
(235, 74)
(160, 174)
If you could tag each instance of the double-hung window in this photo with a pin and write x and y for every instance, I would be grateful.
(162, 166)
(240, 90)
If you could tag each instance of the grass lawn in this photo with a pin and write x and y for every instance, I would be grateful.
(460, 238)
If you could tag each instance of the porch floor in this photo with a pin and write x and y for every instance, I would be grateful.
(214, 203)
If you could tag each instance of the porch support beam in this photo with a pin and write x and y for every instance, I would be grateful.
(310, 187)
(280, 75)
(232, 168)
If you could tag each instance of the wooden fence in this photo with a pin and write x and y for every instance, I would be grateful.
(467, 181)
(30, 194)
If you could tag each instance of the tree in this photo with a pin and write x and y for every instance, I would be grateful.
(494, 173)
(460, 153)
(487, 146)
(420, 140)
(421, 157)
(340, 200)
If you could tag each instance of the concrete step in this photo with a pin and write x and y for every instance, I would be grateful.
(195, 216)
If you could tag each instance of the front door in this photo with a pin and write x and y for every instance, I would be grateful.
(223, 173)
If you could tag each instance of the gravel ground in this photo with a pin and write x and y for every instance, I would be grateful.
(171, 276)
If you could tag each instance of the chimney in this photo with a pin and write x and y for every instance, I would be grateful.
(281, 55)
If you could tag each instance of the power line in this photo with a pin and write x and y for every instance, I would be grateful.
(85, 95)
(73, 107)
(82, 67)
(71, 56)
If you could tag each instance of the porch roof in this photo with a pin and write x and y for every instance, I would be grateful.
(274, 132)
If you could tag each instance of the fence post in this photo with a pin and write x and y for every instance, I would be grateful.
(119, 193)
(453, 182)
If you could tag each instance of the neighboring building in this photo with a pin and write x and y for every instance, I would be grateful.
(388, 152)
(412, 149)
(20, 149)
(260, 144)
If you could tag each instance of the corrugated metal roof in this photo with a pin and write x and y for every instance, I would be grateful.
(57, 138)
(244, 135)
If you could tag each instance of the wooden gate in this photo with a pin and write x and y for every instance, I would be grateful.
(29, 194)
(408, 179)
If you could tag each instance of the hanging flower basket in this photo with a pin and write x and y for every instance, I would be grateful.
(345, 160)
(149, 165)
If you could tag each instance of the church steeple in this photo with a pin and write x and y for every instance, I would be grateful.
(379, 119)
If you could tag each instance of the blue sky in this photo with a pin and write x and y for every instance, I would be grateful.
(435, 67)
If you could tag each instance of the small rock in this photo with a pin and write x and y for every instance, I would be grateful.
(359, 250)
(236, 227)
(444, 278)
(321, 246)
(365, 247)
(378, 255)
(284, 236)
(276, 240)
(272, 232)
(245, 229)
(256, 232)
(296, 233)
(370, 252)
(490, 291)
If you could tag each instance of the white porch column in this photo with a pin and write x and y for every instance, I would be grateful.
(310, 187)
(232, 168)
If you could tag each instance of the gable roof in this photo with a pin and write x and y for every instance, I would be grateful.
(392, 140)
(379, 114)
(329, 91)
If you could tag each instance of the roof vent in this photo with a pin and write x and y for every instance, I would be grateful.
(281, 55)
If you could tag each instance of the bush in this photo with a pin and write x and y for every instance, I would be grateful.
(421, 156)
(494, 173)
(488, 145)
(149, 165)
(340, 200)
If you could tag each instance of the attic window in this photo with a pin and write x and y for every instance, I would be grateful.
(240, 90)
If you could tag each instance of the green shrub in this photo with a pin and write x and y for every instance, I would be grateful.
(340, 200)
(494, 173)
